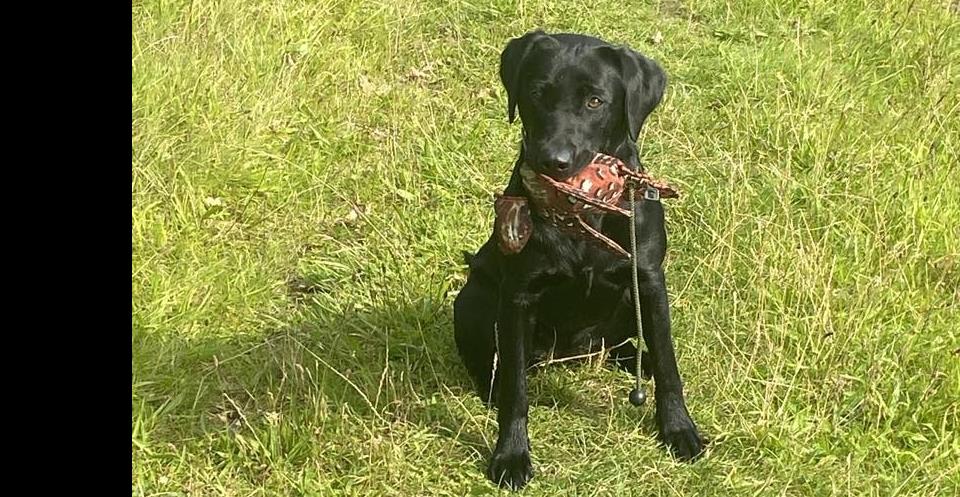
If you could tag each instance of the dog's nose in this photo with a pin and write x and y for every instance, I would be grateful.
(559, 160)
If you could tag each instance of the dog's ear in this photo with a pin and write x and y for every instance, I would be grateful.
(511, 61)
(644, 83)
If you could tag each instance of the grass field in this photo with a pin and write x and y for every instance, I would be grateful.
(306, 174)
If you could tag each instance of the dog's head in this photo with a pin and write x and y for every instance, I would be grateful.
(577, 95)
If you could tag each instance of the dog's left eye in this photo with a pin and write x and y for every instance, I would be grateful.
(594, 102)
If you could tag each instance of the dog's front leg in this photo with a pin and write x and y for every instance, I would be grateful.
(510, 465)
(677, 429)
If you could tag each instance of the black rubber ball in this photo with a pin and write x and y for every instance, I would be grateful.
(638, 396)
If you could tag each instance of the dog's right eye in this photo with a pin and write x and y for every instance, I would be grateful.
(594, 102)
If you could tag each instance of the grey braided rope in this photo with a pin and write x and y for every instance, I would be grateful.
(636, 281)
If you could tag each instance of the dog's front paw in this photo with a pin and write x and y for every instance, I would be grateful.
(510, 469)
(680, 434)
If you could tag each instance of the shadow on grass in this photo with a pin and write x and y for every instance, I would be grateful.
(336, 378)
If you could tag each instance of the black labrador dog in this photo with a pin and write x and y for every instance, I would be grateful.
(560, 295)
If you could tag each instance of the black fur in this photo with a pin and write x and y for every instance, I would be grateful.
(563, 295)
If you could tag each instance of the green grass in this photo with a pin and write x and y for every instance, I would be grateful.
(305, 175)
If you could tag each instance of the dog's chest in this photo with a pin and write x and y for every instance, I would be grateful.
(588, 292)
